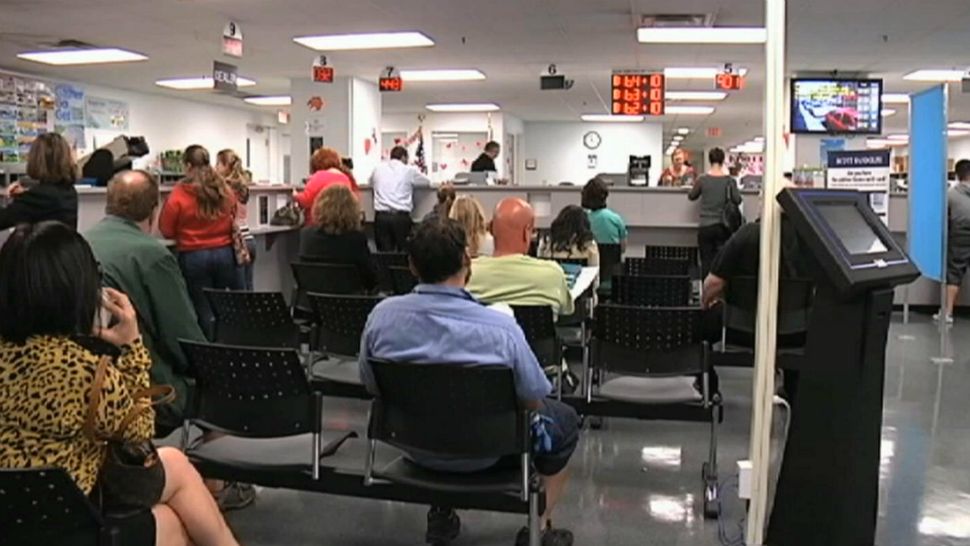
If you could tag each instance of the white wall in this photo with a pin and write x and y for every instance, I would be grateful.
(332, 122)
(959, 148)
(561, 156)
(365, 126)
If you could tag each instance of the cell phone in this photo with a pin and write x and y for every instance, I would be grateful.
(105, 318)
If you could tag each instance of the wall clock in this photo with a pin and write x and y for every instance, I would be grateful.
(592, 140)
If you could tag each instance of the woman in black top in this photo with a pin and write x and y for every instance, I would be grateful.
(50, 164)
(338, 237)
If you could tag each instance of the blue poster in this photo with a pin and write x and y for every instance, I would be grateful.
(827, 145)
(927, 181)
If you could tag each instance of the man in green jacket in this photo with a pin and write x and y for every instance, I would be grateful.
(140, 265)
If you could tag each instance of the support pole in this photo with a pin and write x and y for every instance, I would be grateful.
(766, 326)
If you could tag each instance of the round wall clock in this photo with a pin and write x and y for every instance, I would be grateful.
(592, 140)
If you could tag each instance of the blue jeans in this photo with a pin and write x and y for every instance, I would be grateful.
(247, 270)
(209, 268)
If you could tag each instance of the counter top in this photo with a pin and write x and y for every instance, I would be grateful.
(564, 189)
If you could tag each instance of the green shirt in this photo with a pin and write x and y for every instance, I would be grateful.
(517, 279)
(140, 266)
(608, 227)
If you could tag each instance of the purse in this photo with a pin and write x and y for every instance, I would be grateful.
(288, 215)
(731, 217)
(239, 247)
(132, 476)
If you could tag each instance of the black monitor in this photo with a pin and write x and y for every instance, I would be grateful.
(853, 246)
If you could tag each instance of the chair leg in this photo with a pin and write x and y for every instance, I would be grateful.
(184, 436)
(535, 533)
(316, 455)
(712, 500)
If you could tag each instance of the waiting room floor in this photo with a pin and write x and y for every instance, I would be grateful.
(639, 483)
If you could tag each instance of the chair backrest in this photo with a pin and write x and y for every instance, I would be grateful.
(385, 261)
(795, 297)
(649, 341)
(450, 410)
(341, 320)
(652, 290)
(667, 252)
(402, 280)
(43, 506)
(582, 262)
(538, 323)
(325, 278)
(259, 319)
(656, 266)
(256, 392)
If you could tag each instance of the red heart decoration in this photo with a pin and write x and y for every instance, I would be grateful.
(367, 145)
(443, 166)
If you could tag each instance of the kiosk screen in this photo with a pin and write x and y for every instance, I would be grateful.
(855, 234)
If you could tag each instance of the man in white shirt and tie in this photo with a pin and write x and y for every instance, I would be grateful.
(393, 182)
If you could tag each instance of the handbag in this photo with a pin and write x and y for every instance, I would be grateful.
(239, 247)
(132, 476)
(288, 215)
(731, 217)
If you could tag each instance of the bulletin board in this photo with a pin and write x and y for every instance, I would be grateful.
(26, 111)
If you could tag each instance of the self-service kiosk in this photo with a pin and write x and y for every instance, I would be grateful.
(828, 489)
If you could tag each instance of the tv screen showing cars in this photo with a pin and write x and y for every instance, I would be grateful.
(836, 106)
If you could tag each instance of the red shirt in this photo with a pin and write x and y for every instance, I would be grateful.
(320, 181)
(182, 221)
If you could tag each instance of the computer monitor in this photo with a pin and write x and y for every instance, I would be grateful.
(471, 179)
(850, 242)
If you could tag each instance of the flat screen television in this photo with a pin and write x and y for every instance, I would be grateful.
(836, 106)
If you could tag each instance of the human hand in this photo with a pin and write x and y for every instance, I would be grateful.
(125, 331)
(15, 189)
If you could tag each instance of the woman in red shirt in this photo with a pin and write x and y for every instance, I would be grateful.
(327, 169)
(199, 215)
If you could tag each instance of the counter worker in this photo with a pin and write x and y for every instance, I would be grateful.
(679, 173)
(486, 161)
(393, 182)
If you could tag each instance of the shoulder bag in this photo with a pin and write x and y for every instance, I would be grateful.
(132, 476)
(288, 215)
(731, 217)
(239, 247)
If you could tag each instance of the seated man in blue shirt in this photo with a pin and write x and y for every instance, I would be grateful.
(440, 322)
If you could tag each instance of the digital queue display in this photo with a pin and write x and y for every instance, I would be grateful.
(727, 81)
(390, 84)
(638, 94)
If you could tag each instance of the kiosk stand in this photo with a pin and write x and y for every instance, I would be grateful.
(827, 492)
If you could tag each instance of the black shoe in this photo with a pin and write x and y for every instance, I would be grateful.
(549, 537)
(443, 526)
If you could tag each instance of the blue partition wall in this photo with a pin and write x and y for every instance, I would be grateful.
(927, 181)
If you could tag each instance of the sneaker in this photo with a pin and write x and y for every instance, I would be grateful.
(549, 537)
(235, 496)
(949, 318)
(443, 526)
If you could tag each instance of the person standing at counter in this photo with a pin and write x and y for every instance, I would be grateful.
(338, 237)
(679, 173)
(52, 196)
(328, 169)
(394, 182)
(199, 216)
(607, 226)
(486, 162)
(958, 237)
(229, 166)
(716, 190)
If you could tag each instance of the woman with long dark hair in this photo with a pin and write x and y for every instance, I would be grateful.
(570, 236)
(50, 195)
(54, 331)
(199, 216)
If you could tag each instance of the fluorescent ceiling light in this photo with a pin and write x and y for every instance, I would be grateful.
(64, 57)
(702, 35)
(689, 110)
(686, 72)
(280, 100)
(678, 138)
(374, 40)
(204, 82)
(886, 112)
(957, 132)
(695, 95)
(895, 98)
(874, 144)
(898, 138)
(683, 131)
(611, 119)
(447, 75)
(467, 107)
(935, 75)
(758, 139)
(959, 125)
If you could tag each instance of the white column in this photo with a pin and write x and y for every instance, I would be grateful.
(764, 385)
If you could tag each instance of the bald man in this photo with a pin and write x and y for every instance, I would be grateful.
(510, 275)
(142, 267)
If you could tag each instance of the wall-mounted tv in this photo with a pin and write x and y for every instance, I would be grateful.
(836, 106)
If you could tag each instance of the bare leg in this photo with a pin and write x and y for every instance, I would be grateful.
(952, 293)
(554, 486)
(168, 528)
(188, 497)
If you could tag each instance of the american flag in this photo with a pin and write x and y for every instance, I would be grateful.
(419, 153)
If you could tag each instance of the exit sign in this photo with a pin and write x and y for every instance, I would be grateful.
(727, 81)
(713, 132)
(393, 84)
(323, 74)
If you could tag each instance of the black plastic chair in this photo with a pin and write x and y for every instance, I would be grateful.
(402, 280)
(656, 266)
(341, 321)
(261, 399)
(44, 507)
(323, 278)
(611, 256)
(652, 290)
(456, 412)
(538, 323)
(656, 354)
(668, 252)
(259, 319)
(385, 261)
